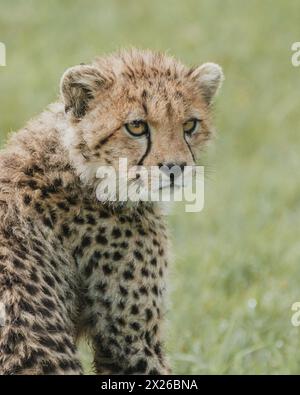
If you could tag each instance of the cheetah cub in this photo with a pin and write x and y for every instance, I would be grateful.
(70, 264)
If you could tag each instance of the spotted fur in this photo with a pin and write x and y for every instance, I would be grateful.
(70, 265)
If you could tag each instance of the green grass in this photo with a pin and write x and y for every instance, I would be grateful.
(237, 267)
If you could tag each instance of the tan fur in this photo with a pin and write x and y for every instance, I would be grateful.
(70, 265)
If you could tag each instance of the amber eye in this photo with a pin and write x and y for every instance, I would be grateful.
(137, 128)
(190, 126)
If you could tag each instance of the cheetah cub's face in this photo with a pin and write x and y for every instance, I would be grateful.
(143, 106)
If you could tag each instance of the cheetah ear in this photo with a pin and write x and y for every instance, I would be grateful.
(78, 86)
(209, 77)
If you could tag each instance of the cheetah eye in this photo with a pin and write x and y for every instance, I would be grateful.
(191, 126)
(137, 128)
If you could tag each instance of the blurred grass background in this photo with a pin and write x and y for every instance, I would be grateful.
(237, 263)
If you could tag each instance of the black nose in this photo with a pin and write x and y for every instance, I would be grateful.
(172, 169)
(168, 166)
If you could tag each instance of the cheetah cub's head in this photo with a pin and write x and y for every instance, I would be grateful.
(140, 105)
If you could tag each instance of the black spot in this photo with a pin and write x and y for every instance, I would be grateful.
(78, 252)
(106, 303)
(27, 199)
(30, 361)
(155, 290)
(44, 312)
(22, 252)
(37, 256)
(129, 339)
(128, 275)
(48, 367)
(65, 230)
(60, 347)
(64, 364)
(148, 353)
(72, 200)
(157, 349)
(143, 290)
(31, 289)
(104, 214)
(139, 243)
(31, 170)
(24, 305)
(49, 280)
(86, 241)
(47, 189)
(48, 303)
(79, 220)
(135, 326)
(69, 344)
(92, 263)
(47, 342)
(154, 372)
(18, 264)
(34, 277)
(37, 327)
(53, 217)
(141, 366)
(18, 322)
(47, 222)
(128, 233)
(161, 252)
(101, 239)
(149, 314)
(53, 263)
(116, 233)
(155, 243)
(148, 338)
(88, 270)
(63, 206)
(121, 321)
(57, 182)
(135, 295)
(138, 255)
(123, 291)
(90, 219)
(134, 309)
(32, 184)
(107, 269)
(46, 291)
(117, 256)
(145, 272)
(57, 279)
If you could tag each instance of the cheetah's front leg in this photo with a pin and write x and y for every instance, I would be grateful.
(123, 314)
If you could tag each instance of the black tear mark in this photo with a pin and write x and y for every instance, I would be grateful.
(149, 144)
(193, 156)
